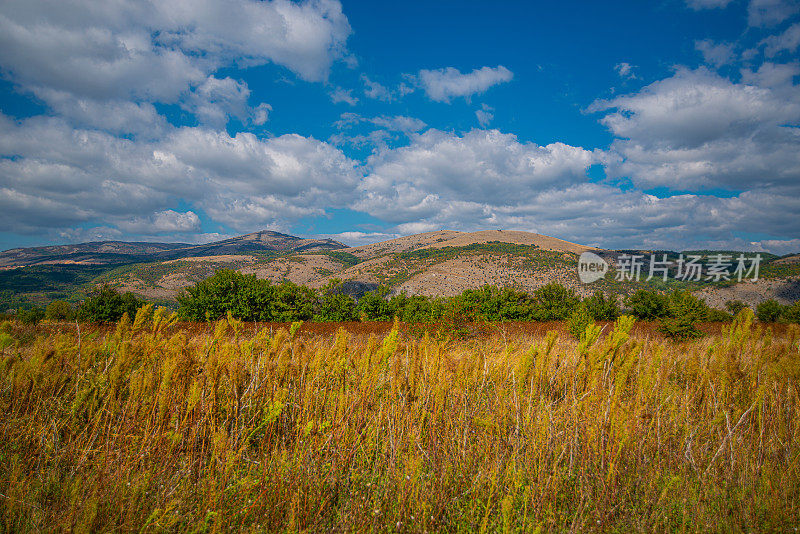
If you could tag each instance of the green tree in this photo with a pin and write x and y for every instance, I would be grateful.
(602, 308)
(792, 313)
(372, 306)
(769, 311)
(684, 312)
(648, 305)
(735, 306)
(246, 297)
(107, 305)
(579, 320)
(291, 302)
(333, 305)
(30, 315)
(59, 310)
(553, 302)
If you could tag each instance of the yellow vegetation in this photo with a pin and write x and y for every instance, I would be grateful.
(147, 428)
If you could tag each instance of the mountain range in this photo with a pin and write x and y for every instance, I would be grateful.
(440, 263)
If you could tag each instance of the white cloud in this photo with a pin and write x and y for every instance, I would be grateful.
(113, 116)
(167, 221)
(788, 41)
(441, 171)
(716, 54)
(397, 123)
(699, 130)
(215, 100)
(260, 114)
(343, 95)
(355, 239)
(484, 115)
(707, 4)
(624, 70)
(444, 84)
(55, 176)
(765, 13)
(779, 246)
(375, 90)
(158, 51)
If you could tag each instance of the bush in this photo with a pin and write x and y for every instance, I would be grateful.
(648, 305)
(413, 309)
(333, 305)
(718, 316)
(291, 303)
(244, 296)
(554, 302)
(491, 303)
(107, 305)
(735, 306)
(792, 313)
(30, 315)
(373, 306)
(602, 308)
(769, 311)
(59, 310)
(684, 312)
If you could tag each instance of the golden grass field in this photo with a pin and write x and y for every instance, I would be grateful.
(156, 426)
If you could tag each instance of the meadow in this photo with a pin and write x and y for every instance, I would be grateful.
(154, 425)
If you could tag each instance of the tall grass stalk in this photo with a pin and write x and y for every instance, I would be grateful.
(149, 429)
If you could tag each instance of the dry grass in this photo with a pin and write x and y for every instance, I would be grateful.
(150, 426)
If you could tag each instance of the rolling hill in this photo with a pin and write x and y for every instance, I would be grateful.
(441, 263)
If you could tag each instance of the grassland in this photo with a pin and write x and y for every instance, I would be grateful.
(156, 426)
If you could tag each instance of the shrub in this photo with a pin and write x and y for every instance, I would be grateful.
(602, 308)
(333, 305)
(735, 306)
(792, 313)
(684, 312)
(769, 311)
(107, 305)
(554, 302)
(718, 316)
(59, 310)
(372, 306)
(648, 305)
(244, 296)
(291, 302)
(30, 315)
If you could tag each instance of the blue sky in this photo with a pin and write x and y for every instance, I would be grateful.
(667, 124)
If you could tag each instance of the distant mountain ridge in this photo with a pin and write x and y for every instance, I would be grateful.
(437, 263)
(118, 252)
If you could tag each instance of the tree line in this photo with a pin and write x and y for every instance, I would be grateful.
(248, 298)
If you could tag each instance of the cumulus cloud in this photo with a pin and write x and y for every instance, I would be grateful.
(442, 85)
(787, 41)
(339, 95)
(779, 246)
(766, 13)
(716, 54)
(157, 51)
(441, 171)
(355, 239)
(216, 100)
(56, 176)
(699, 130)
(167, 221)
(484, 115)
